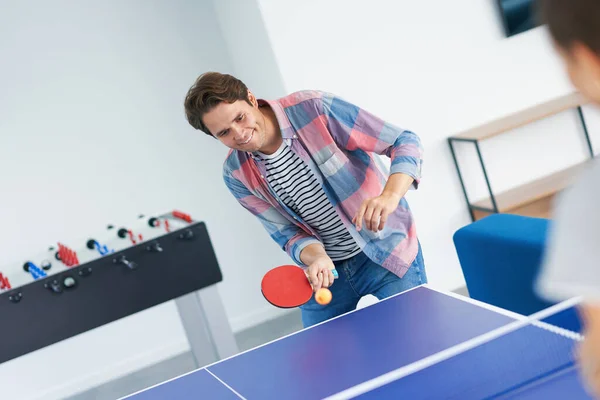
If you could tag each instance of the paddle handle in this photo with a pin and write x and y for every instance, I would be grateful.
(333, 271)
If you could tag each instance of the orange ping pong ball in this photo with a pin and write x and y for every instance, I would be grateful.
(323, 296)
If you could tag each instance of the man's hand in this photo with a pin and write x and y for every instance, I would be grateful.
(588, 356)
(319, 272)
(319, 266)
(375, 211)
(588, 353)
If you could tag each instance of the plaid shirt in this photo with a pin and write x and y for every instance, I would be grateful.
(339, 140)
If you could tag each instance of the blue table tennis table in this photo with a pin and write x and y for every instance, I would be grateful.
(420, 344)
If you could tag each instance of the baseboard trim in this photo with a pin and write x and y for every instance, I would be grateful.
(463, 291)
(115, 371)
(257, 317)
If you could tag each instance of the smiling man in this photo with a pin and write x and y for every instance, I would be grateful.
(306, 165)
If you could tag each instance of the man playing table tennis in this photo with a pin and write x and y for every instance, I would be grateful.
(572, 266)
(306, 166)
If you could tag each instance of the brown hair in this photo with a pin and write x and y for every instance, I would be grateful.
(571, 21)
(210, 89)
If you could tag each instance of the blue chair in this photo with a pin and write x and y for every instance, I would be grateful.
(500, 256)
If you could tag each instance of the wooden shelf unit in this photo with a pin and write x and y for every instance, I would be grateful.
(533, 198)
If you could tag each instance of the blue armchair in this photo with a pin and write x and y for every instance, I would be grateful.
(500, 256)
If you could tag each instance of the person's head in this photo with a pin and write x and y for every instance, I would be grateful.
(575, 29)
(222, 106)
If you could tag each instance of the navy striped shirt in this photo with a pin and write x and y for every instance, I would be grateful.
(298, 188)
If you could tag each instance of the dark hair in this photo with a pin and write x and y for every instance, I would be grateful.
(210, 89)
(571, 21)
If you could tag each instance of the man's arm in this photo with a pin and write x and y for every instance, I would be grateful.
(397, 185)
(375, 211)
(291, 238)
(306, 251)
(358, 129)
(312, 252)
(588, 353)
(320, 266)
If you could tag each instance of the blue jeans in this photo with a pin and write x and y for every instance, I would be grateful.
(359, 276)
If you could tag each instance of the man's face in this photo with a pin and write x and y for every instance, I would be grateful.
(239, 126)
(583, 68)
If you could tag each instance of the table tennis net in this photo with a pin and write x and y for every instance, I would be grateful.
(502, 363)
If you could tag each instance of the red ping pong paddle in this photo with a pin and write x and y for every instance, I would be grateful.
(287, 286)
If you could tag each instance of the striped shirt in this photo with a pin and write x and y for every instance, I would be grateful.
(297, 186)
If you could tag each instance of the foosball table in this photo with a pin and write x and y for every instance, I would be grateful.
(68, 289)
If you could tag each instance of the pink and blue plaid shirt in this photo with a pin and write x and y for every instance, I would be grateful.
(339, 139)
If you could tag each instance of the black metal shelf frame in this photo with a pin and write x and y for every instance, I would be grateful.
(495, 208)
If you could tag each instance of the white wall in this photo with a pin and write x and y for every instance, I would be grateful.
(255, 252)
(249, 46)
(112, 78)
(436, 67)
(92, 132)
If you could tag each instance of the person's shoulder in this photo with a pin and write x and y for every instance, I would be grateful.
(303, 97)
(303, 104)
